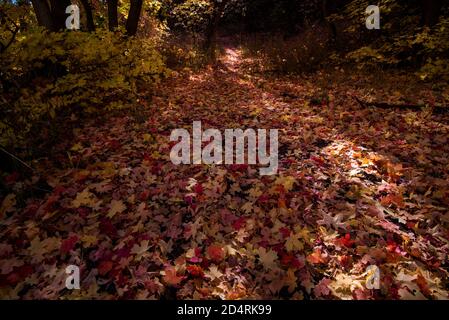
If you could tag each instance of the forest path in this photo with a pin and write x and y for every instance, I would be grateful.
(356, 187)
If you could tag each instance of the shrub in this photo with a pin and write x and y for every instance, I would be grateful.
(48, 77)
(402, 42)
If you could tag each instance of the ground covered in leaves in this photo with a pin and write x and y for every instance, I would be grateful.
(357, 186)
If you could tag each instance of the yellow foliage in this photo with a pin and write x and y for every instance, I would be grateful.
(56, 75)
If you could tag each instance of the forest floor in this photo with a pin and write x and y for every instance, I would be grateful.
(357, 186)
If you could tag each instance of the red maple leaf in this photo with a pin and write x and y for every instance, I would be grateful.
(67, 245)
(144, 195)
(345, 241)
(108, 228)
(286, 259)
(238, 224)
(318, 160)
(198, 188)
(104, 267)
(285, 232)
(195, 271)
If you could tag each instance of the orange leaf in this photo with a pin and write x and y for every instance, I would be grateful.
(422, 283)
(316, 257)
(395, 199)
(171, 278)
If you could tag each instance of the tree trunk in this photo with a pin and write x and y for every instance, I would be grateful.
(211, 31)
(89, 15)
(43, 13)
(431, 10)
(329, 7)
(58, 8)
(133, 17)
(112, 14)
(291, 18)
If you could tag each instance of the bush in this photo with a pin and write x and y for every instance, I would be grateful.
(306, 52)
(47, 77)
(401, 42)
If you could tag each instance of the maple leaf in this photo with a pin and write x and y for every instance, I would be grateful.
(290, 280)
(422, 283)
(77, 147)
(216, 253)
(239, 223)
(247, 207)
(140, 250)
(38, 249)
(335, 222)
(195, 271)
(194, 255)
(322, 288)
(316, 257)
(69, 244)
(104, 267)
(286, 182)
(148, 138)
(345, 241)
(8, 204)
(395, 199)
(89, 240)
(116, 206)
(170, 276)
(85, 198)
(144, 195)
(268, 258)
(293, 244)
(213, 273)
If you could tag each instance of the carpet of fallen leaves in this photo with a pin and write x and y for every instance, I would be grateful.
(356, 187)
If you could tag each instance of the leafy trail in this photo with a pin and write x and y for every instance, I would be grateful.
(357, 186)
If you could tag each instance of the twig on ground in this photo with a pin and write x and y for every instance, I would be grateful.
(439, 109)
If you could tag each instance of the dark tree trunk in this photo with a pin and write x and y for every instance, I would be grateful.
(58, 8)
(211, 31)
(431, 10)
(112, 14)
(89, 15)
(291, 18)
(329, 7)
(133, 17)
(43, 13)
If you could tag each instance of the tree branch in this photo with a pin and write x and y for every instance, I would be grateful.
(438, 109)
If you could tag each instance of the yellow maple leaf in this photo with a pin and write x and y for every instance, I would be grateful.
(117, 206)
(147, 137)
(286, 182)
(84, 198)
(89, 240)
(8, 204)
(293, 244)
(77, 147)
(290, 280)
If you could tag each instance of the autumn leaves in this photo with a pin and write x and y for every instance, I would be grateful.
(198, 265)
(214, 152)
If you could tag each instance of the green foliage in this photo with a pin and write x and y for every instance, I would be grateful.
(47, 77)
